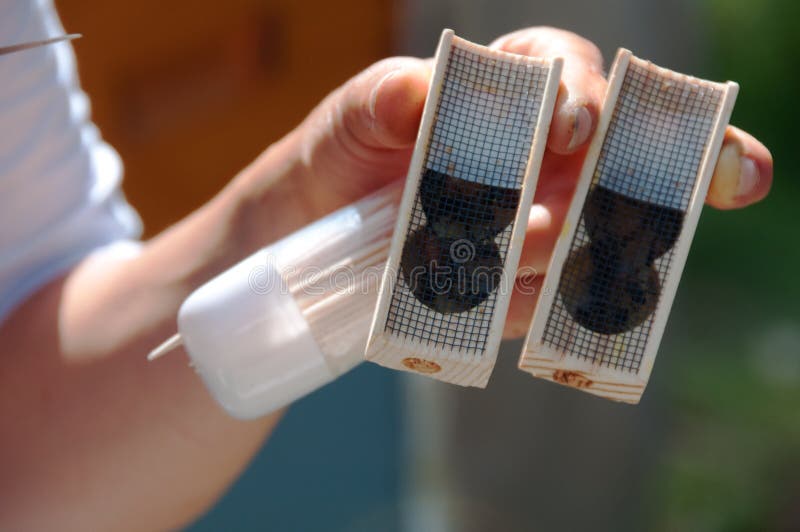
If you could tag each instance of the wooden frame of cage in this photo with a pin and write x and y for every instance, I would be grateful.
(589, 375)
(418, 356)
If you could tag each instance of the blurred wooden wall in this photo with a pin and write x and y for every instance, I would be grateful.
(190, 91)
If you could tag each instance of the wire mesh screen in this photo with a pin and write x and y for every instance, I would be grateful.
(463, 215)
(622, 248)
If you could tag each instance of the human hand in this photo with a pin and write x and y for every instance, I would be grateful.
(362, 135)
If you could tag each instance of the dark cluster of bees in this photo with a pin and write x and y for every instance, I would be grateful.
(452, 263)
(611, 285)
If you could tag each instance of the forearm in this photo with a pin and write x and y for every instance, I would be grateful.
(94, 435)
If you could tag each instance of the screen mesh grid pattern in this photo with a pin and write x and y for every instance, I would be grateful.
(622, 249)
(463, 214)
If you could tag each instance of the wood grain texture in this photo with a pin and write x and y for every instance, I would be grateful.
(338, 302)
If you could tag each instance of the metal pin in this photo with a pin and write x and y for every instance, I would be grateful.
(35, 44)
(173, 342)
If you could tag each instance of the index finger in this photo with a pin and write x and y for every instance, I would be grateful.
(583, 85)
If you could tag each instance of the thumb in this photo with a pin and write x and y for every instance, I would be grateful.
(362, 134)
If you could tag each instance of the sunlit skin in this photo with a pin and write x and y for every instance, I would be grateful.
(94, 438)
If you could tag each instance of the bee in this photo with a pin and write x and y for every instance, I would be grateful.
(611, 285)
(452, 263)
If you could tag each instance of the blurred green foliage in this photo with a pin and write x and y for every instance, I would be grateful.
(732, 461)
(757, 251)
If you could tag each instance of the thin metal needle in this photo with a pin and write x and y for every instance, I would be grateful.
(172, 343)
(35, 44)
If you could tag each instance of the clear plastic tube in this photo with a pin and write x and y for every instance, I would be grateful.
(296, 314)
(333, 269)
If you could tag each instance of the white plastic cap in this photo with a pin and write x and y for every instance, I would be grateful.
(251, 344)
(245, 332)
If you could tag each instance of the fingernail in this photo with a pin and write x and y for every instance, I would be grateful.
(581, 127)
(373, 95)
(539, 215)
(748, 176)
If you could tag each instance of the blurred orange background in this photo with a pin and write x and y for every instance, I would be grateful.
(189, 92)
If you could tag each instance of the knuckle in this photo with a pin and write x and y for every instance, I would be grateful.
(548, 40)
